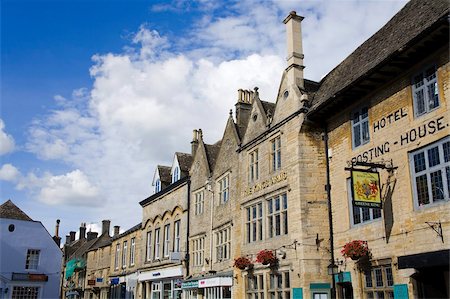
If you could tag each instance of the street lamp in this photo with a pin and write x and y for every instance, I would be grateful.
(332, 269)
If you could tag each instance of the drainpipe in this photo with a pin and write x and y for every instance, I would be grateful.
(188, 225)
(330, 213)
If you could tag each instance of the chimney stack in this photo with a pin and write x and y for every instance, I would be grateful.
(116, 230)
(56, 237)
(72, 236)
(91, 236)
(105, 227)
(67, 239)
(244, 106)
(294, 49)
(194, 142)
(82, 231)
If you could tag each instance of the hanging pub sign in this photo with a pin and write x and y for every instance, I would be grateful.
(366, 189)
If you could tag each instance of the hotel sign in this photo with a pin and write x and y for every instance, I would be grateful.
(366, 189)
(265, 184)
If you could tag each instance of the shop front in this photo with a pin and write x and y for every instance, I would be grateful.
(161, 283)
(218, 287)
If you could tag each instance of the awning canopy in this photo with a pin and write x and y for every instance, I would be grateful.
(425, 260)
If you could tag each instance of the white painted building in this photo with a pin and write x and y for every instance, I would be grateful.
(30, 260)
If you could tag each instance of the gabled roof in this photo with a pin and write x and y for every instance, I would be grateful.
(164, 174)
(10, 211)
(184, 161)
(102, 241)
(212, 151)
(268, 107)
(413, 19)
(83, 249)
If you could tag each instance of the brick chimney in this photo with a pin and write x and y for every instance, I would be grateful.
(82, 231)
(72, 236)
(194, 142)
(67, 239)
(116, 230)
(91, 235)
(105, 227)
(294, 49)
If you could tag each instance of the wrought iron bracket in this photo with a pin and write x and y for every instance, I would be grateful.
(437, 227)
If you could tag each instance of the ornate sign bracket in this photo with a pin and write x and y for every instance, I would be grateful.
(388, 165)
(437, 227)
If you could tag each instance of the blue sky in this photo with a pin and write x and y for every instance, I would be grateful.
(95, 94)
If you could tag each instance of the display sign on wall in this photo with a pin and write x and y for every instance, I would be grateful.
(366, 189)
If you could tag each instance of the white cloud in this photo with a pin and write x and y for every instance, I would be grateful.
(9, 173)
(72, 188)
(7, 143)
(146, 100)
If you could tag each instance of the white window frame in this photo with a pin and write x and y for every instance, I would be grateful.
(224, 189)
(360, 126)
(253, 165)
(176, 235)
(23, 291)
(371, 213)
(278, 284)
(124, 254)
(223, 244)
(275, 153)
(176, 174)
(32, 259)
(277, 217)
(379, 279)
(116, 257)
(255, 287)
(443, 168)
(148, 254)
(199, 202)
(132, 251)
(198, 251)
(156, 253)
(254, 226)
(423, 85)
(157, 185)
(166, 244)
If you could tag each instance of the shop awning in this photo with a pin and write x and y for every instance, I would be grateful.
(424, 260)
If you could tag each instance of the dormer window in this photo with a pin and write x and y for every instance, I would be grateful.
(157, 185)
(176, 174)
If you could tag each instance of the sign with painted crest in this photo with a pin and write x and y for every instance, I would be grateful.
(366, 189)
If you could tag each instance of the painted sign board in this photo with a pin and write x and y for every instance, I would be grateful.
(366, 189)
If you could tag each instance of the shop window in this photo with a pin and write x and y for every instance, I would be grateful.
(254, 223)
(25, 292)
(224, 189)
(32, 260)
(132, 251)
(223, 292)
(223, 244)
(275, 153)
(379, 283)
(360, 127)
(277, 218)
(148, 252)
(199, 202)
(360, 215)
(124, 254)
(198, 251)
(255, 286)
(253, 166)
(280, 285)
(430, 172)
(425, 91)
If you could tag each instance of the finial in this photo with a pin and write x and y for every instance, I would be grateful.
(231, 112)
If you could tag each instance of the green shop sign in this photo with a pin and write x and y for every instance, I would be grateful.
(190, 284)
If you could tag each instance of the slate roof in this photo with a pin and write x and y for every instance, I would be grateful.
(9, 210)
(212, 151)
(164, 174)
(85, 247)
(129, 231)
(185, 161)
(414, 18)
(268, 107)
(102, 241)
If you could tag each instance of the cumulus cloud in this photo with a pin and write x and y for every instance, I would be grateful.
(146, 100)
(9, 173)
(7, 143)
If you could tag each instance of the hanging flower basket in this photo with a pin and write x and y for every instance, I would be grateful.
(266, 257)
(355, 250)
(242, 263)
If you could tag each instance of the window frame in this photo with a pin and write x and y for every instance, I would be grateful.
(116, 257)
(199, 204)
(176, 174)
(387, 286)
(124, 253)
(166, 240)
(223, 244)
(254, 225)
(275, 153)
(424, 87)
(253, 292)
(132, 250)
(158, 185)
(273, 286)
(176, 236)
(32, 259)
(198, 251)
(282, 213)
(253, 165)
(361, 210)
(362, 123)
(443, 167)
(224, 188)
(157, 249)
(148, 252)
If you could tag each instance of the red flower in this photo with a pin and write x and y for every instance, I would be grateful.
(355, 249)
(242, 262)
(266, 257)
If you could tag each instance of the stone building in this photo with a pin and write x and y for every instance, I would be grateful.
(385, 109)
(98, 262)
(164, 232)
(125, 260)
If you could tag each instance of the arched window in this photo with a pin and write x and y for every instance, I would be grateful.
(157, 185)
